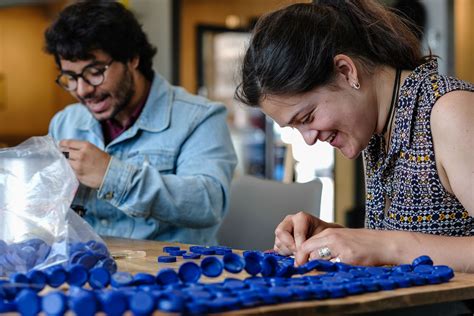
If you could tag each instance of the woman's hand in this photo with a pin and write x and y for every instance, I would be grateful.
(353, 246)
(295, 229)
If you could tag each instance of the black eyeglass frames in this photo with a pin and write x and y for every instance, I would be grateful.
(93, 75)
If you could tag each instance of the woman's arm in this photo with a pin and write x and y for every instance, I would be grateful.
(452, 127)
(375, 247)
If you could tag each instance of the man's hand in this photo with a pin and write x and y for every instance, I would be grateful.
(88, 162)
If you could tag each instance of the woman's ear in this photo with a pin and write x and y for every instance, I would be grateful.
(346, 67)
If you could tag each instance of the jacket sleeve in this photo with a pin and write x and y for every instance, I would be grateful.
(195, 196)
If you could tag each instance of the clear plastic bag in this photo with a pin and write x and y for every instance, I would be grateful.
(37, 227)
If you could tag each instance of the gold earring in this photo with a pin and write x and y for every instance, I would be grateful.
(355, 85)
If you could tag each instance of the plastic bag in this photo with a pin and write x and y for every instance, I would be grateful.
(37, 227)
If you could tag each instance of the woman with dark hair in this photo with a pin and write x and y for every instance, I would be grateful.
(350, 73)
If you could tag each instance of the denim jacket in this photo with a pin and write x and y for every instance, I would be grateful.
(170, 172)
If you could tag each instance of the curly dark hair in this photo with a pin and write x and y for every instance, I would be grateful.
(86, 26)
(292, 49)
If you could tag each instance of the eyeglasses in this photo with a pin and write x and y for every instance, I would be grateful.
(93, 75)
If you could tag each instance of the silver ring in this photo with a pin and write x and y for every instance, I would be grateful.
(324, 252)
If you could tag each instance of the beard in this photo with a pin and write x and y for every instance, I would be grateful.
(122, 94)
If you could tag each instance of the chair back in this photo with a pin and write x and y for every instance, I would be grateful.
(257, 206)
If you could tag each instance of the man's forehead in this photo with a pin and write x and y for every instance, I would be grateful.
(95, 57)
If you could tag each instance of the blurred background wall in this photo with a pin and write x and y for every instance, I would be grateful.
(181, 28)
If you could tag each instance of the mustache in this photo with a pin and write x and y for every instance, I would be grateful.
(93, 97)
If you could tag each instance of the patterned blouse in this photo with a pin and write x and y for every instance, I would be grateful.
(407, 175)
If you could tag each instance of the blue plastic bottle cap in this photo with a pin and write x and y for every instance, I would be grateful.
(341, 266)
(277, 281)
(207, 252)
(401, 281)
(19, 278)
(191, 255)
(233, 263)
(6, 306)
(77, 275)
(422, 260)
(54, 303)
(56, 275)
(98, 248)
(28, 302)
(166, 259)
(109, 264)
(332, 280)
(387, 284)
(433, 278)
(269, 266)
(255, 280)
(196, 249)
(167, 276)
(326, 265)
(319, 291)
(88, 260)
(268, 299)
(197, 307)
(37, 279)
(99, 278)
(142, 303)
(171, 303)
(298, 281)
(121, 279)
(252, 262)
(282, 293)
(309, 266)
(223, 304)
(286, 270)
(42, 252)
(235, 284)
(402, 268)
(211, 266)
(370, 284)
(445, 272)
(221, 250)
(416, 279)
(300, 292)
(85, 303)
(376, 271)
(114, 302)
(189, 272)
(75, 256)
(143, 279)
(423, 269)
(336, 291)
(354, 288)
(171, 248)
(176, 253)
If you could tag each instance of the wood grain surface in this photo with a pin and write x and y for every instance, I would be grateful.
(460, 288)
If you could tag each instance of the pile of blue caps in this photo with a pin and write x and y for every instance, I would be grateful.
(273, 279)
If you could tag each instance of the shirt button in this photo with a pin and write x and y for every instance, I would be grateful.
(109, 195)
(104, 222)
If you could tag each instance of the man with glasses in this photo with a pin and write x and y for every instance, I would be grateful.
(154, 161)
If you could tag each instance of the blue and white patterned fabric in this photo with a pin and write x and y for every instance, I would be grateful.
(407, 175)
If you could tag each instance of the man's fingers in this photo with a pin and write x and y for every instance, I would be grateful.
(71, 144)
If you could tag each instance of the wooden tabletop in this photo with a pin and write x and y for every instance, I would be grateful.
(460, 288)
